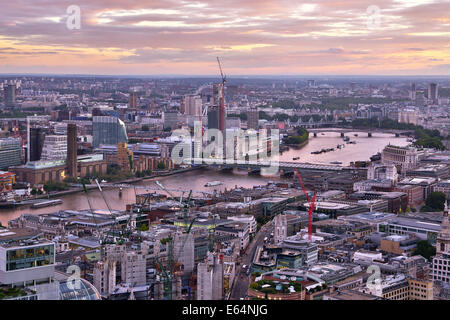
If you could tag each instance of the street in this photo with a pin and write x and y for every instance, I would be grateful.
(242, 280)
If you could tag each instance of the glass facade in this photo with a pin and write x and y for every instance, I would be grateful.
(108, 130)
(10, 152)
(31, 257)
(82, 291)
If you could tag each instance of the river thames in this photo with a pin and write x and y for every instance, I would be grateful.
(364, 148)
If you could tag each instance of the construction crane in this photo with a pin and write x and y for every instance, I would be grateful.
(311, 203)
(102, 242)
(173, 261)
(222, 103)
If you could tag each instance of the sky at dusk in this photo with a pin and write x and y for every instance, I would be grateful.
(252, 37)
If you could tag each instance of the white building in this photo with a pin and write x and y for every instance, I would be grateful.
(404, 157)
(441, 262)
(55, 148)
(30, 264)
(248, 219)
(383, 172)
(280, 232)
(133, 268)
(193, 105)
(210, 276)
(184, 250)
(105, 277)
(364, 256)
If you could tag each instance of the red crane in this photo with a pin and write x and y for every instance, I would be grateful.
(311, 203)
(222, 103)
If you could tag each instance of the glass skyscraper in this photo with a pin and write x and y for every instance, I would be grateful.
(108, 130)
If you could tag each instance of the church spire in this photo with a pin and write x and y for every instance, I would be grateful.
(446, 208)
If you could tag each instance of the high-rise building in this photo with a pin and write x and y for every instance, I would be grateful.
(217, 93)
(184, 251)
(10, 95)
(253, 119)
(217, 100)
(108, 130)
(36, 143)
(193, 105)
(170, 119)
(55, 148)
(105, 277)
(133, 100)
(10, 152)
(412, 95)
(433, 92)
(311, 83)
(72, 168)
(183, 105)
(213, 117)
(133, 268)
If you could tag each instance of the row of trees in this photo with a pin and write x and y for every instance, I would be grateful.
(301, 136)
(424, 137)
(284, 117)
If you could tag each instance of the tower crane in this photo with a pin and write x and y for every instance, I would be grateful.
(173, 261)
(311, 203)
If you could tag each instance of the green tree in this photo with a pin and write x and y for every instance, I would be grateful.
(435, 201)
(161, 165)
(145, 128)
(425, 249)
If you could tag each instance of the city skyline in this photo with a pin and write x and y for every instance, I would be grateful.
(392, 37)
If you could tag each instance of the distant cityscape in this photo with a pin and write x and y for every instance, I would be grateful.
(370, 227)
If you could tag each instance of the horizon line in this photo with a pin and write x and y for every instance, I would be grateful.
(214, 76)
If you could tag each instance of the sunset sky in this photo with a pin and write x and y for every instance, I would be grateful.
(252, 37)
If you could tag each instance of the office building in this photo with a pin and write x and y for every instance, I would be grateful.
(108, 130)
(433, 93)
(133, 100)
(133, 268)
(170, 119)
(213, 117)
(382, 172)
(72, 150)
(10, 152)
(193, 105)
(405, 158)
(105, 277)
(28, 263)
(36, 143)
(184, 251)
(412, 94)
(10, 95)
(253, 119)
